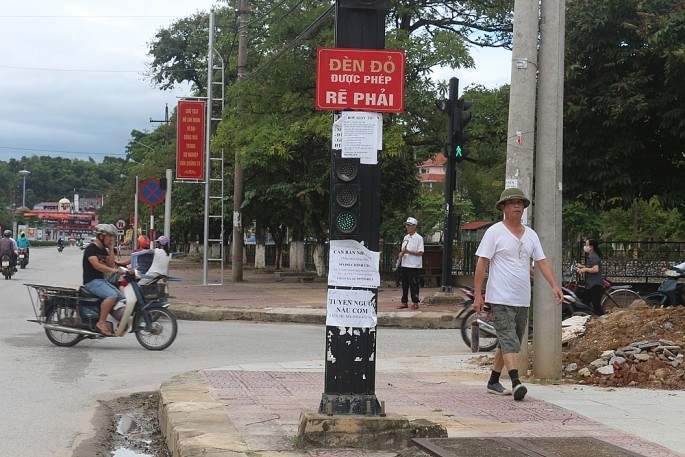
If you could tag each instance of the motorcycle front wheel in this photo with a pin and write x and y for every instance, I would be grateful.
(487, 341)
(162, 331)
(57, 316)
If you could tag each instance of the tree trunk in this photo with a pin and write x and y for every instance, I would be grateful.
(319, 259)
(297, 256)
(636, 211)
(260, 248)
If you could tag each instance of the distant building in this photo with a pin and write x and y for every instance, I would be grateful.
(63, 221)
(432, 170)
(474, 231)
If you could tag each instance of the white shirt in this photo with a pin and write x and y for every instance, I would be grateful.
(509, 278)
(160, 264)
(412, 243)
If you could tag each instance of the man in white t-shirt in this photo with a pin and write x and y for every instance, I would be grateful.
(509, 246)
(412, 260)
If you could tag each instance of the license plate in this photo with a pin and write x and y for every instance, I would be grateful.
(21, 256)
(5, 263)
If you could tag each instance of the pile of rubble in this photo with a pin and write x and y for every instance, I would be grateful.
(637, 346)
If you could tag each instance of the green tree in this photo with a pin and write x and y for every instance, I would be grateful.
(624, 102)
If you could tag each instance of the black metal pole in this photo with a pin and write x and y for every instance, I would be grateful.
(350, 376)
(450, 187)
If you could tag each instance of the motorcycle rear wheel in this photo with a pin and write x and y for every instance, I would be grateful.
(653, 303)
(162, 333)
(487, 341)
(56, 316)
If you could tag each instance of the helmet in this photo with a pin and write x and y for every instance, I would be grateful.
(143, 241)
(105, 229)
(163, 240)
(22, 233)
(512, 193)
(7, 233)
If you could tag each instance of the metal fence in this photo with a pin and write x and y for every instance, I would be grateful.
(621, 260)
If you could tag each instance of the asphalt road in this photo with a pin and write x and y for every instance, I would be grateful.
(50, 393)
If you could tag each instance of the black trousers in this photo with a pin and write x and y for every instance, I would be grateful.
(410, 282)
(593, 297)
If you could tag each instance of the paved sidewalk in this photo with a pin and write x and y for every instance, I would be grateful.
(254, 409)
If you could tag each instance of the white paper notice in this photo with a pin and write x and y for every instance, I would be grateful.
(351, 264)
(337, 132)
(360, 136)
(351, 308)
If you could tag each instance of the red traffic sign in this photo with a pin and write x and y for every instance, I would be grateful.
(151, 193)
(360, 79)
(120, 224)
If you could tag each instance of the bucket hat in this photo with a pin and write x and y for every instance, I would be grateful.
(512, 193)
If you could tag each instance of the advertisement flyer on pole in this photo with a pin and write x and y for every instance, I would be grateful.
(351, 308)
(360, 136)
(352, 265)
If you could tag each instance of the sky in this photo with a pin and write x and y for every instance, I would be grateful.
(72, 74)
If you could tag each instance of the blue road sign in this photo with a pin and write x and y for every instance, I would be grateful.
(151, 193)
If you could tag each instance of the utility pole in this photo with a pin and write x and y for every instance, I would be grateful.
(521, 129)
(165, 121)
(548, 200)
(239, 175)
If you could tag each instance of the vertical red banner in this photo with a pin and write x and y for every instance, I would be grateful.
(190, 140)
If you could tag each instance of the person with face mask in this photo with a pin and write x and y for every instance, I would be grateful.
(594, 284)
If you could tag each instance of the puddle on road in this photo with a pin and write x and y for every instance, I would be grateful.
(127, 425)
(123, 452)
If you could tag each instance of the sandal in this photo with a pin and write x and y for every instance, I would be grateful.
(403, 306)
(104, 331)
(415, 306)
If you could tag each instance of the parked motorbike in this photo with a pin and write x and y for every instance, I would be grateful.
(23, 258)
(69, 315)
(666, 295)
(7, 268)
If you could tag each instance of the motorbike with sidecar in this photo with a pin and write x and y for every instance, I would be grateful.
(69, 315)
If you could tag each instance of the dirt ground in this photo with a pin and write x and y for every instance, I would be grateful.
(649, 345)
(128, 423)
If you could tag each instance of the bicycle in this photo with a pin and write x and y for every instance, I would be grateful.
(613, 296)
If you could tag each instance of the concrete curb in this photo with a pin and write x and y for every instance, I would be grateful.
(405, 319)
(194, 423)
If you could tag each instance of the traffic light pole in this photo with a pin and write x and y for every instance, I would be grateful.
(350, 372)
(450, 188)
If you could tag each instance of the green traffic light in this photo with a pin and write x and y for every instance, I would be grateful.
(458, 151)
(346, 222)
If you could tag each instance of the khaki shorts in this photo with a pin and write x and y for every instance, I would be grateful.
(510, 323)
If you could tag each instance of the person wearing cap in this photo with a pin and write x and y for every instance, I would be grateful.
(411, 257)
(508, 247)
(160, 261)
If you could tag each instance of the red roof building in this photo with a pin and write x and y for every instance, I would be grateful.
(432, 170)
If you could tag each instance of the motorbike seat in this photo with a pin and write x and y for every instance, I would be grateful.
(87, 298)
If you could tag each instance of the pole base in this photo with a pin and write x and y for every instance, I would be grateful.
(350, 404)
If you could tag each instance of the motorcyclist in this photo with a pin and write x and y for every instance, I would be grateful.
(24, 243)
(60, 242)
(98, 259)
(160, 262)
(9, 247)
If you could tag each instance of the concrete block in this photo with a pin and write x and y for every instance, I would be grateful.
(357, 432)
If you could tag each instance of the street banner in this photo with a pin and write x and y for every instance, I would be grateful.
(190, 140)
(351, 308)
(360, 79)
(353, 265)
